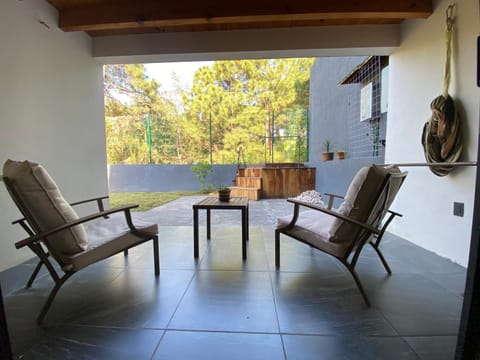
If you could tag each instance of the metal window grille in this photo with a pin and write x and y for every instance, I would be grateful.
(367, 138)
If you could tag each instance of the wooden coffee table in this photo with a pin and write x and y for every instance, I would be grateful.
(212, 203)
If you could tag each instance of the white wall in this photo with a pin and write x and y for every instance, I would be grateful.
(416, 78)
(51, 109)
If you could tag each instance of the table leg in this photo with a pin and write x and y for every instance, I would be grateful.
(248, 224)
(195, 233)
(208, 224)
(244, 233)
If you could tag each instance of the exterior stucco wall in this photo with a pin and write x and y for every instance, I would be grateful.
(51, 109)
(416, 78)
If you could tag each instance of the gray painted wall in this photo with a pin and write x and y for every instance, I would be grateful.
(332, 108)
(335, 176)
(330, 104)
(150, 178)
(335, 109)
(332, 176)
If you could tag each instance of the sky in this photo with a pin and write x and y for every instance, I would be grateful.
(163, 73)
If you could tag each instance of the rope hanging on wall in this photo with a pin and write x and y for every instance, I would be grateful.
(441, 137)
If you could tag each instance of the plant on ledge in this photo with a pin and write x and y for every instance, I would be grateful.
(340, 154)
(328, 153)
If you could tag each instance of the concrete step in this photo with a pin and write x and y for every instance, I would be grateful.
(249, 182)
(250, 193)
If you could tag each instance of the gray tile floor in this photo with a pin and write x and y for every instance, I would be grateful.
(220, 307)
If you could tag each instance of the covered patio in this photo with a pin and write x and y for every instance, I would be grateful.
(52, 111)
(221, 307)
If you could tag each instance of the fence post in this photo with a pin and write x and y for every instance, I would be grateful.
(273, 134)
(149, 139)
(307, 155)
(211, 138)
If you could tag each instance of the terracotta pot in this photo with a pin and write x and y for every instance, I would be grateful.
(340, 155)
(327, 156)
(224, 194)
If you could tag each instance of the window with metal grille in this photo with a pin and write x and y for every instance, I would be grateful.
(367, 116)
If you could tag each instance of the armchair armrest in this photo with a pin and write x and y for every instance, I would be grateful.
(394, 213)
(23, 222)
(331, 197)
(334, 195)
(33, 239)
(98, 199)
(329, 212)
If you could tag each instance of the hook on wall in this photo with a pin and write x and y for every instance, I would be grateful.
(44, 23)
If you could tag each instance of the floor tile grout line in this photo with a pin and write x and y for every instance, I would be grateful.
(410, 347)
(167, 326)
(459, 296)
(379, 336)
(173, 313)
(289, 333)
(286, 333)
(223, 331)
(429, 336)
(389, 322)
(158, 344)
(273, 296)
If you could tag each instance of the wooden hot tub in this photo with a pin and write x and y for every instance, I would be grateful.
(282, 180)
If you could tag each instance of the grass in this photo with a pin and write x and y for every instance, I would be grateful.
(146, 200)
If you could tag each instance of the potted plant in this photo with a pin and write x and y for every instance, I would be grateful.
(328, 153)
(224, 193)
(340, 154)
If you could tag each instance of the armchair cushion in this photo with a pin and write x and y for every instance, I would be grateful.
(42, 200)
(314, 227)
(359, 200)
(107, 237)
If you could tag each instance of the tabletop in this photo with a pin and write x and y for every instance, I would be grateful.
(212, 202)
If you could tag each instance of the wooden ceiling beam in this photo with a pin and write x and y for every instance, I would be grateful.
(99, 15)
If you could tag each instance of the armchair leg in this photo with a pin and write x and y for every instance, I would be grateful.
(359, 285)
(378, 239)
(277, 249)
(156, 258)
(382, 258)
(34, 275)
(51, 296)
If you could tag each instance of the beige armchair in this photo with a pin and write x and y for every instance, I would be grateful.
(55, 230)
(359, 220)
